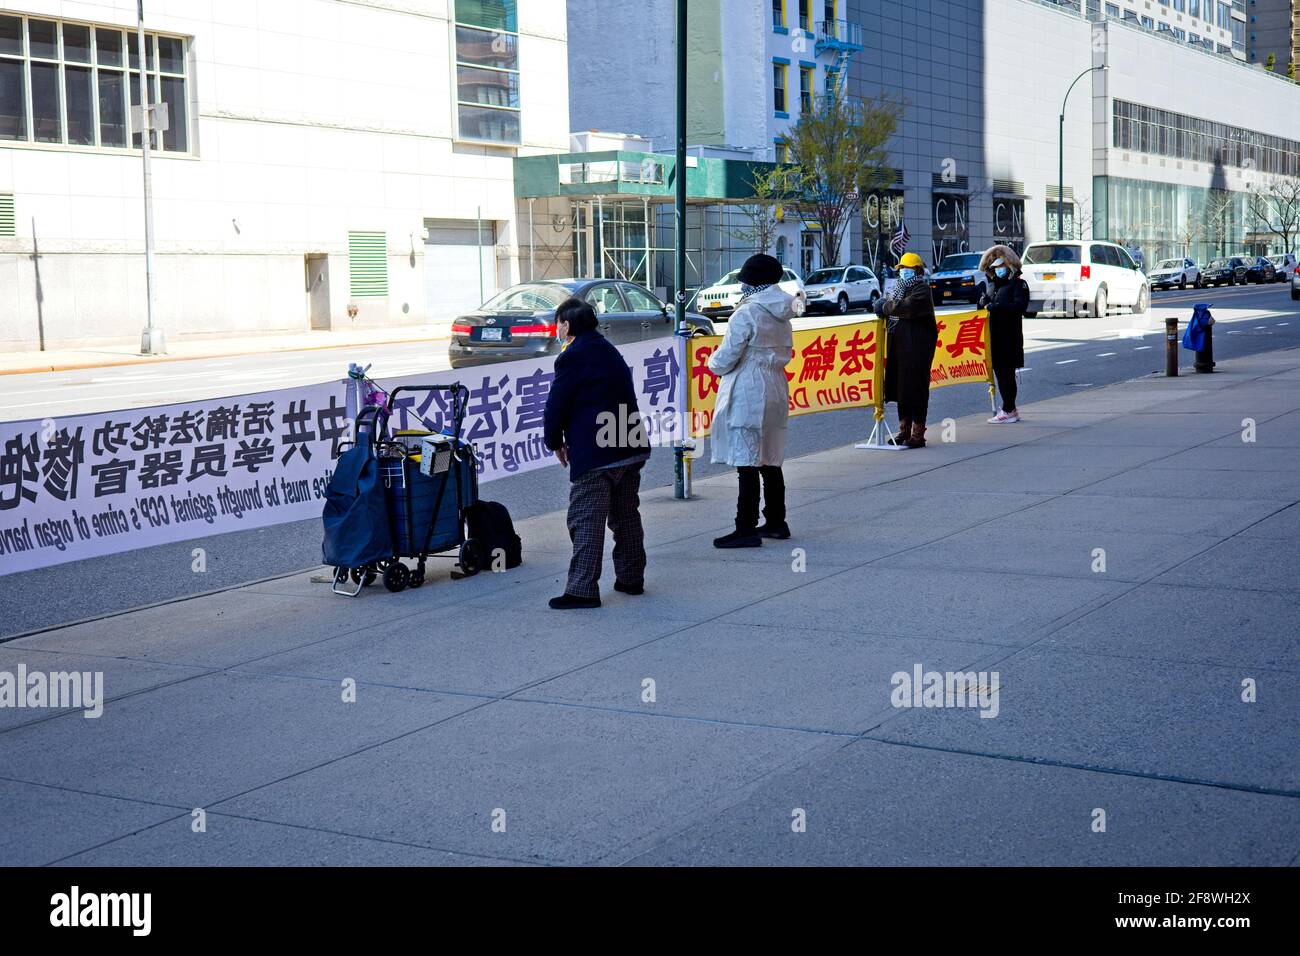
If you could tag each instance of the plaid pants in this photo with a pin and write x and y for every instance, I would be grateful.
(608, 495)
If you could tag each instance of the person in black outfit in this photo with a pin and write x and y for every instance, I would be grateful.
(909, 349)
(1006, 304)
(593, 425)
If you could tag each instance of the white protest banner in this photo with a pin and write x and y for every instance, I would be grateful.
(506, 402)
(108, 482)
(90, 485)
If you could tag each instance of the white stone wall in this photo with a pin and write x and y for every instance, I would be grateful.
(314, 118)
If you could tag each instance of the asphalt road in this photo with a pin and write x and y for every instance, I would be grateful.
(1064, 356)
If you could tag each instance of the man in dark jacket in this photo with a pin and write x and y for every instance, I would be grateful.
(593, 425)
(1006, 305)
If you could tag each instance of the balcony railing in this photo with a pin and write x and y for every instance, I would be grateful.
(838, 35)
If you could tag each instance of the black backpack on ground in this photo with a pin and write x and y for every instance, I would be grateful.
(489, 524)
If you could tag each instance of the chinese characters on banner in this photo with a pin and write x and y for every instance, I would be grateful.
(104, 483)
(833, 368)
(506, 403)
(962, 355)
(90, 485)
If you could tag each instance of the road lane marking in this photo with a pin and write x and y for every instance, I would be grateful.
(1142, 348)
(1104, 354)
(1067, 361)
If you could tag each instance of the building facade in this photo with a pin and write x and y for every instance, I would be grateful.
(1144, 164)
(753, 69)
(326, 163)
(1273, 29)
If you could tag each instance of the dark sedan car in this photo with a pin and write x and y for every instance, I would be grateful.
(1260, 269)
(1230, 271)
(519, 323)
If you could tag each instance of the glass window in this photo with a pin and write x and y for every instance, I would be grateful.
(112, 109)
(487, 71)
(492, 14)
(604, 299)
(47, 127)
(482, 48)
(76, 43)
(639, 300)
(778, 87)
(778, 13)
(13, 100)
(171, 55)
(133, 46)
(108, 47)
(78, 86)
(487, 87)
(63, 84)
(11, 36)
(176, 137)
(43, 39)
(1054, 252)
(498, 126)
(805, 89)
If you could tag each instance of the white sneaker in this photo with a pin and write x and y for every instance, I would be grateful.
(1005, 418)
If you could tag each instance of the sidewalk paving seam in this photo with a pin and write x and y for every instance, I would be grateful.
(298, 826)
(1094, 768)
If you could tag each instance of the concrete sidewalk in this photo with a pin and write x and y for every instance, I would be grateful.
(1121, 690)
(180, 349)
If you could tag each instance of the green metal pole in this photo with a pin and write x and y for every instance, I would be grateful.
(679, 214)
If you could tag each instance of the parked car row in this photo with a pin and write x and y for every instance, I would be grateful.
(1075, 278)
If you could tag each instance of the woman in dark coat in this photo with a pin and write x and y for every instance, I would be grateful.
(909, 351)
(1006, 304)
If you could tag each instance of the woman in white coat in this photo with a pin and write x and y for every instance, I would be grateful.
(751, 415)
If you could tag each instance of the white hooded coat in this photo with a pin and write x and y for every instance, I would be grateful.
(752, 413)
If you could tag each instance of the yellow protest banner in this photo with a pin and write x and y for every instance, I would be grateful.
(840, 366)
(962, 355)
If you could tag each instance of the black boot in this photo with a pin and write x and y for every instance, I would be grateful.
(740, 538)
(774, 529)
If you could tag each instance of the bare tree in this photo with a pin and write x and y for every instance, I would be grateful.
(1220, 209)
(839, 150)
(772, 187)
(1275, 208)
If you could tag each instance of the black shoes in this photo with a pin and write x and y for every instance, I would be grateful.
(740, 538)
(629, 588)
(771, 530)
(569, 602)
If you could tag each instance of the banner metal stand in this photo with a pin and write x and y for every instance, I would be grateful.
(881, 435)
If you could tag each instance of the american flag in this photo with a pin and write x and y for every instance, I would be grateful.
(901, 239)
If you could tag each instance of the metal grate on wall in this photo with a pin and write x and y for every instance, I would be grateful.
(1008, 187)
(1053, 189)
(8, 226)
(368, 264)
(954, 184)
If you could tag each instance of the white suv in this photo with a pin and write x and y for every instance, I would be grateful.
(719, 300)
(1176, 272)
(841, 288)
(1083, 278)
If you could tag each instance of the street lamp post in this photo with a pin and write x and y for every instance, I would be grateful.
(1060, 186)
(679, 214)
(152, 341)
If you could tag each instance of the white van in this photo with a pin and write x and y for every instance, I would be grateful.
(1083, 278)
